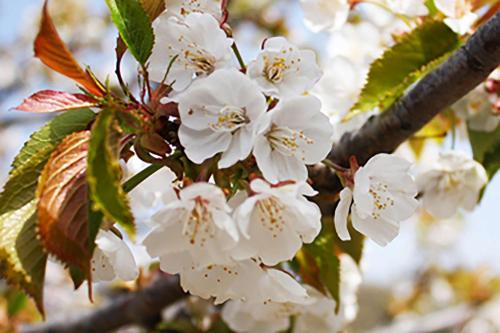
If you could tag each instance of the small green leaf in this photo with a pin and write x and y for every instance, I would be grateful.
(134, 26)
(416, 54)
(322, 250)
(22, 258)
(104, 172)
(486, 149)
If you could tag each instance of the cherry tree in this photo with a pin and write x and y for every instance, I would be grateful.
(263, 176)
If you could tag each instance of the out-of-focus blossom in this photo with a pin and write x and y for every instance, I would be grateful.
(282, 70)
(453, 181)
(112, 259)
(340, 86)
(321, 15)
(408, 7)
(361, 43)
(459, 15)
(477, 109)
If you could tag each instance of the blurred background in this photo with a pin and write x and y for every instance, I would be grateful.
(436, 276)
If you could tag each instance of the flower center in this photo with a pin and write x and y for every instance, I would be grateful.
(382, 198)
(201, 61)
(288, 141)
(275, 71)
(271, 215)
(199, 225)
(229, 119)
(450, 181)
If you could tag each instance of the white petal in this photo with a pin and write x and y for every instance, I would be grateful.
(342, 212)
(380, 231)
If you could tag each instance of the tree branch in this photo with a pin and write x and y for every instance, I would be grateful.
(138, 307)
(462, 72)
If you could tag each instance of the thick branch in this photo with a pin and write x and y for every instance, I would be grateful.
(464, 70)
(134, 308)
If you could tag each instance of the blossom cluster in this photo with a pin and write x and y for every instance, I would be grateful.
(267, 116)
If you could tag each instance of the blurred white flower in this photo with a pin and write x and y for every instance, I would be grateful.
(292, 135)
(384, 195)
(275, 221)
(340, 86)
(186, 7)
(325, 14)
(197, 225)
(266, 317)
(459, 15)
(282, 70)
(155, 190)
(243, 280)
(218, 114)
(408, 8)
(112, 259)
(361, 43)
(197, 41)
(477, 109)
(316, 313)
(453, 181)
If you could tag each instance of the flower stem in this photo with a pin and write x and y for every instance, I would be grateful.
(239, 57)
(133, 182)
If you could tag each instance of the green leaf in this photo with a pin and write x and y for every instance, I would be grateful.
(104, 172)
(416, 54)
(322, 251)
(486, 149)
(22, 258)
(134, 26)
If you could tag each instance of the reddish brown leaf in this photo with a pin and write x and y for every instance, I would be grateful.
(63, 204)
(54, 101)
(52, 51)
(153, 8)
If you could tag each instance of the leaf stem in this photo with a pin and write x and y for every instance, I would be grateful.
(133, 182)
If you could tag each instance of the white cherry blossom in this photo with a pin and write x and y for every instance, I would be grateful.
(275, 221)
(185, 7)
(383, 196)
(408, 7)
(197, 226)
(316, 313)
(459, 15)
(292, 135)
(197, 41)
(452, 182)
(267, 317)
(243, 280)
(321, 15)
(112, 259)
(218, 115)
(340, 86)
(282, 70)
(477, 109)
